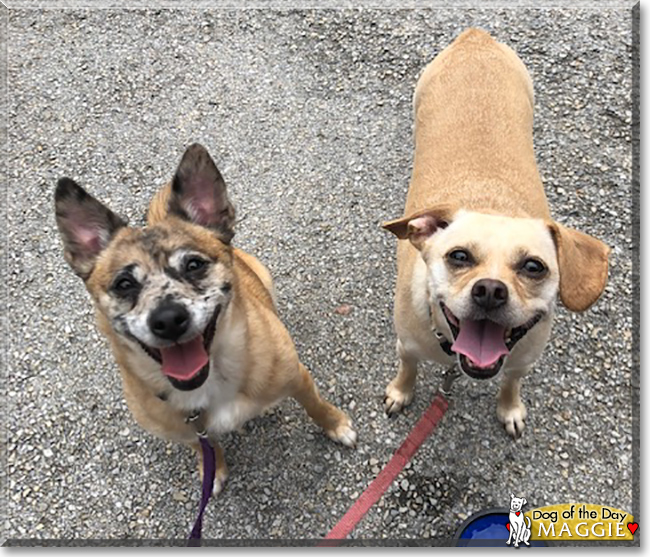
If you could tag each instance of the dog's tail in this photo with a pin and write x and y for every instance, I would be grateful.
(527, 518)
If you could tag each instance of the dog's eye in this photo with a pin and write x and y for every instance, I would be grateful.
(533, 268)
(124, 285)
(460, 258)
(194, 264)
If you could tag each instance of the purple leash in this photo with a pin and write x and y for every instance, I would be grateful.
(209, 468)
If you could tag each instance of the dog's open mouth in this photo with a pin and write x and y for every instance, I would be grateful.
(483, 345)
(187, 364)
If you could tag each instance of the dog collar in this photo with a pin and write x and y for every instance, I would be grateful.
(445, 344)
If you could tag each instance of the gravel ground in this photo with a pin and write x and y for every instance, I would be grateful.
(308, 114)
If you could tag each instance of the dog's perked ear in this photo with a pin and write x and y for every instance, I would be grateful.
(582, 261)
(419, 226)
(198, 193)
(86, 225)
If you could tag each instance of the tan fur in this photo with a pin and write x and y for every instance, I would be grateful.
(583, 267)
(474, 169)
(247, 263)
(270, 372)
(253, 360)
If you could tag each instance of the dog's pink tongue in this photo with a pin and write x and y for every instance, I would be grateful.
(481, 341)
(184, 361)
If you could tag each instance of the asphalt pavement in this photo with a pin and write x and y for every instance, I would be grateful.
(308, 115)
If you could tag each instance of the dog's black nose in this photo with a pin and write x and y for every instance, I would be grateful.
(169, 321)
(489, 293)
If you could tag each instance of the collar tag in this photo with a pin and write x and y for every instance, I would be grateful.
(197, 419)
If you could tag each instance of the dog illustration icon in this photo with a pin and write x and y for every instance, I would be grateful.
(519, 530)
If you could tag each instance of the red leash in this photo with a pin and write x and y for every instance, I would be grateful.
(423, 428)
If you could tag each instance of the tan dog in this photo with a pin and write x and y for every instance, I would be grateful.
(191, 320)
(484, 261)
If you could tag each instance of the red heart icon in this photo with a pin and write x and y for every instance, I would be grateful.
(518, 513)
(632, 527)
(508, 526)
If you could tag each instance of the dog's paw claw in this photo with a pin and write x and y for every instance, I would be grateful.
(344, 434)
(513, 419)
(514, 428)
(396, 399)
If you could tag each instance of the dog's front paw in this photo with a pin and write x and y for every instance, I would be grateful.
(220, 477)
(396, 398)
(513, 418)
(343, 432)
(220, 473)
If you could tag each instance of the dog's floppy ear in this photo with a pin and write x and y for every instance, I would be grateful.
(198, 193)
(583, 264)
(86, 225)
(419, 226)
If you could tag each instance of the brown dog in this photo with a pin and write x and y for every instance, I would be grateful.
(478, 279)
(190, 319)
